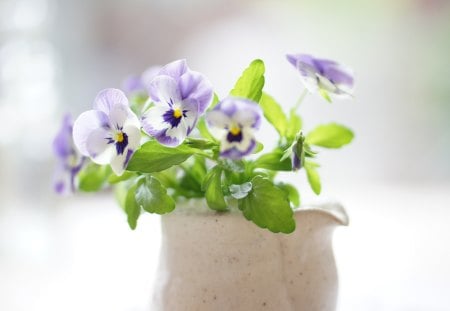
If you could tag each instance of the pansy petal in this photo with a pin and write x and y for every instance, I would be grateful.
(153, 121)
(326, 84)
(108, 98)
(117, 116)
(216, 118)
(134, 136)
(194, 85)
(148, 75)
(190, 110)
(84, 125)
(97, 143)
(176, 135)
(164, 89)
(62, 143)
(246, 142)
(235, 154)
(339, 75)
(132, 84)
(119, 163)
(249, 114)
(174, 69)
(308, 75)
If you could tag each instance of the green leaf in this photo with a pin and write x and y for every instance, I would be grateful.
(330, 135)
(325, 95)
(272, 161)
(93, 177)
(259, 147)
(214, 102)
(154, 157)
(212, 186)
(274, 114)
(292, 192)
(114, 179)
(152, 196)
(203, 129)
(294, 125)
(251, 82)
(194, 174)
(268, 206)
(313, 176)
(132, 208)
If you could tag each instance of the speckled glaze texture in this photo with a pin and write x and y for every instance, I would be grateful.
(220, 261)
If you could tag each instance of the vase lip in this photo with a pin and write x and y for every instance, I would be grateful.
(331, 208)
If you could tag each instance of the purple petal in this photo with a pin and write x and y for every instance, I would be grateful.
(307, 59)
(164, 89)
(84, 125)
(108, 98)
(339, 75)
(132, 84)
(62, 143)
(195, 86)
(174, 69)
(245, 112)
(296, 162)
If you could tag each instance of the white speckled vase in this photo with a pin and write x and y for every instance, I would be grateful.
(220, 261)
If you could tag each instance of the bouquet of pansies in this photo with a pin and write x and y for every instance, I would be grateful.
(168, 137)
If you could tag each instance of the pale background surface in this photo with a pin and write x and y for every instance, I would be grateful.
(78, 254)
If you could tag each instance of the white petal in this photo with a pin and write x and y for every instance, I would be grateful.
(118, 163)
(217, 118)
(98, 146)
(164, 89)
(308, 76)
(245, 118)
(84, 125)
(326, 84)
(153, 122)
(134, 137)
(117, 116)
(178, 132)
(247, 137)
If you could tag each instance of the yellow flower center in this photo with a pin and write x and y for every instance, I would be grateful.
(177, 113)
(119, 137)
(235, 130)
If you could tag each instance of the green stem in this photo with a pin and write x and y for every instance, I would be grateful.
(300, 100)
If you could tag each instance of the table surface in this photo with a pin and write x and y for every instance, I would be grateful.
(395, 255)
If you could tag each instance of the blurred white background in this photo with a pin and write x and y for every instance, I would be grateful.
(77, 253)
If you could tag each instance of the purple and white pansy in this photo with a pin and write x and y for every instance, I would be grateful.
(236, 119)
(70, 161)
(180, 96)
(110, 133)
(323, 75)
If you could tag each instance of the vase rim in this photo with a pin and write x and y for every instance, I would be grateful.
(330, 208)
